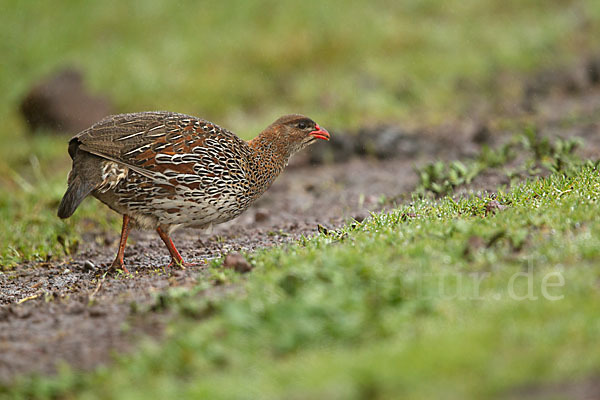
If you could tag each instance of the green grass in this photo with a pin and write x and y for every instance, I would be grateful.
(538, 155)
(433, 300)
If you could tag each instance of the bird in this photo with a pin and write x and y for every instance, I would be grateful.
(162, 170)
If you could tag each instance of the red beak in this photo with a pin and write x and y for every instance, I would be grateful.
(320, 133)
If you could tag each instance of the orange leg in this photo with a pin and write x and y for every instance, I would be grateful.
(118, 263)
(176, 258)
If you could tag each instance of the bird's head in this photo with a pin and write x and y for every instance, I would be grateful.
(294, 132)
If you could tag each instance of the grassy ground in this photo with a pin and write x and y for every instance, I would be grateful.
(433, 300)
(343, 63)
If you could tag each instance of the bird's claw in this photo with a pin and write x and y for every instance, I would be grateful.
(118, 265)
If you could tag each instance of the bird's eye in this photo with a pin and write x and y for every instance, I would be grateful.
(301, 125)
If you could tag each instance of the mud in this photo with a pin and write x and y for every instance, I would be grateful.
(68, 311)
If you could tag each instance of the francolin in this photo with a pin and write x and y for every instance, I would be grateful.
(163, 170)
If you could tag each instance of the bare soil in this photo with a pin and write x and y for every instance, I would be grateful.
(68, 311)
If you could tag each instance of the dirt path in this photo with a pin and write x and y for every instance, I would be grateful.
(64, 311)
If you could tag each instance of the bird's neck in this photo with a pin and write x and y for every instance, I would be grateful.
(269, 157)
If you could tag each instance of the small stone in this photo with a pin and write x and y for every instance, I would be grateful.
(88, 266)
(340, 148)
(4, 313)
(261, 215)
(237, 262)
(310, 187)
(593, 70)
(75, 308)
(96, 312)
(482, 134)
(178, 273)
(293, 226)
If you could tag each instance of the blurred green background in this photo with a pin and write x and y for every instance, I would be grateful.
(241, 64)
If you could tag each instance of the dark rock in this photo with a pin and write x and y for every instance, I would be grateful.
(237, 262)
(566, 79)
(75, 308)
(593, 70)
(340, 148)
(576, 79)
(179, 273)
(541, 83)
(5, 313)
(261, 215)
(482, 134)
(88, 266)
(62, 103)
(388, 142)
(96, 311)
(310, 187)
(381, 142)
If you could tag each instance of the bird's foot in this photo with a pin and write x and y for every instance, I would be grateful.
(183, 264)
(180, 264)
(118, 265)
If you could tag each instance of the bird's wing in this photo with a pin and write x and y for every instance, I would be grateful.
(152, 142)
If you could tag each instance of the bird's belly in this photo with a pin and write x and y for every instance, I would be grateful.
(195, 213)
(177, 204)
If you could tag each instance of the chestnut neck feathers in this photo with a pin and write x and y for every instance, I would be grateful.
(273, 147)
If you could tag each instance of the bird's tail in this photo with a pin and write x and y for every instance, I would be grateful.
(77, 191)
